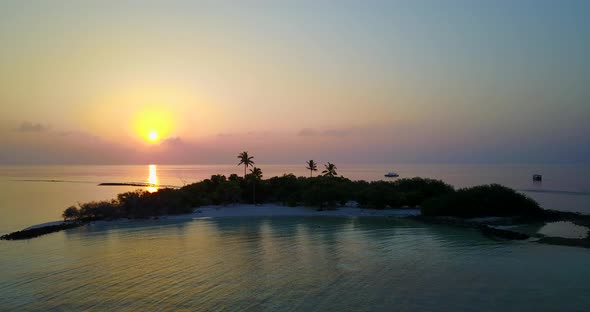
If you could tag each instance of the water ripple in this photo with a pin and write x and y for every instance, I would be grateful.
(311, 264)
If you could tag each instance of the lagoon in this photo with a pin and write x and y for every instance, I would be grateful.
(288, 264)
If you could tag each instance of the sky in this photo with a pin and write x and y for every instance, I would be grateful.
(86, 82)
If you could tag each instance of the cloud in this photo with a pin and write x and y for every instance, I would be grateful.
(26, 126)
(329, 132)
(308, 132)
(174, 141)
(78, 135)
(338, 132)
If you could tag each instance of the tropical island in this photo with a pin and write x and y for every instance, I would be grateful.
(434, 201)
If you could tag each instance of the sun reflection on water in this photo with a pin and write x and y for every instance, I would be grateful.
(152, 179)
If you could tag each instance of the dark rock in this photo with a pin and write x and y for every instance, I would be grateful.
(506, 234)
(31, 233)
(565, 241)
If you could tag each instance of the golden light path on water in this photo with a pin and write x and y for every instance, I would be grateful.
(153, 179)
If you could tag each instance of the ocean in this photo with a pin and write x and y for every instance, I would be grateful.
(36, 194)
(282, 263)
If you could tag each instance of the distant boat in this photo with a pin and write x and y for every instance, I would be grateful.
(391, 174)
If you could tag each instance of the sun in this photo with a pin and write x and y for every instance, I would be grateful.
(152, 124)
(152, 136)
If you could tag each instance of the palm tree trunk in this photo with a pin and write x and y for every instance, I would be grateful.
(245, 167)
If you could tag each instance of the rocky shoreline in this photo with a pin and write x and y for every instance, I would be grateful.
(39, 231)
(491, 226)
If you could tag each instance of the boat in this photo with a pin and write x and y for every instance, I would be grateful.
(391, 174)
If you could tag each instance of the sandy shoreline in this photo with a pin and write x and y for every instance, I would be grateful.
(275, 210)
(271, 210)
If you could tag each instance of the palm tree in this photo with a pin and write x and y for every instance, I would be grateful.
(246, 160)
(255, 175)
(311, 166)
(330, 170)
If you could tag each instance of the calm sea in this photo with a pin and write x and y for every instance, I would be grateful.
(282, 264)
(288, 264)
(36, 194)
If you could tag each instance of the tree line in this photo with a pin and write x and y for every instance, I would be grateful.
(325, 191)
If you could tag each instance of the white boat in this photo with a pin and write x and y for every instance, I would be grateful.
(392, 174)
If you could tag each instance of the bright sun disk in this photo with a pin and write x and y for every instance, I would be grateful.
(153, 136)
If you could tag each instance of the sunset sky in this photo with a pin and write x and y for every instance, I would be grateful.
(120, 82)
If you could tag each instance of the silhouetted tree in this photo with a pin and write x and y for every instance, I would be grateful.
(255, 176)
(245, 160)
(311, 166)
(256, 173)
(71, 213)
(330, 170)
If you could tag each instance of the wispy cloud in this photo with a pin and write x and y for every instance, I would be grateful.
(26, 126)
(328, 132)
(308, 132)
(174, 141)
(338, 132)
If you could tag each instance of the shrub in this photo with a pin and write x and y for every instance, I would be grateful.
(482, 201)
(71, 213)
(99, 210)
(404, 192)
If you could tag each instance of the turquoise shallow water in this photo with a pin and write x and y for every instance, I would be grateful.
(289, 263)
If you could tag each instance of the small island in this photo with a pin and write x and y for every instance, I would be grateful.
(482, 207)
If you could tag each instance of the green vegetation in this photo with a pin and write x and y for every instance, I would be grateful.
(330, 170)
(311, 166)
(321, 191)
(255, 173)
(329, 190)
(254, 178)
(403, 192)
(245, 160)
(435, 197)
(482, 201)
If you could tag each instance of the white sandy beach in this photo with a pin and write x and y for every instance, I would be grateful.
(272, 210)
